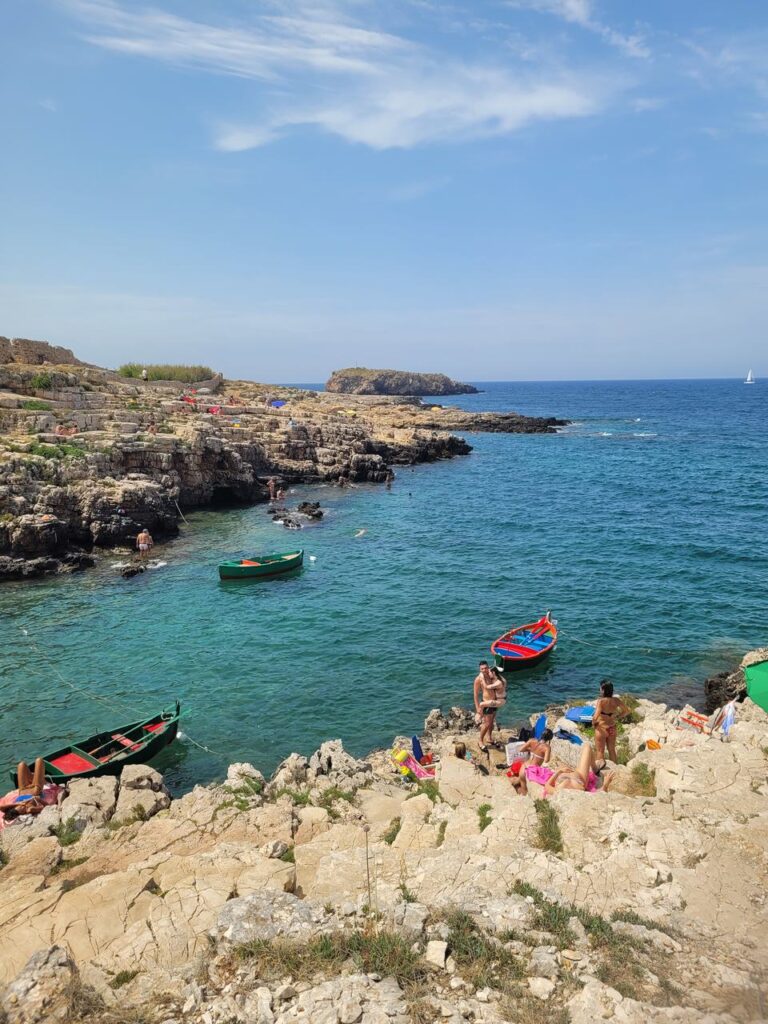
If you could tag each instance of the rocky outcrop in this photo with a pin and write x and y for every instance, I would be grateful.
(34, 353)
(88, 458)
(340, 891)
(358, 380)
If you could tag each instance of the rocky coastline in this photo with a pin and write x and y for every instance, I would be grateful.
(359, 380)
(87, 457)
(339, 891)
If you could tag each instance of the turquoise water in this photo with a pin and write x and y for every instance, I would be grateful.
(642, 526)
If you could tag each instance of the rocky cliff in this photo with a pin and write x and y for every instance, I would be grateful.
(87, 458)
(340, 892)
(35, 353)
(358, 380)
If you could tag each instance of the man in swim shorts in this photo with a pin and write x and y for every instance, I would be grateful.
(485, 690)
(144, 542)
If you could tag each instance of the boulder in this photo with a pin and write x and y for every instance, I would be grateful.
(42, 992)
(142, 793)
(90, 801)
(266, 916)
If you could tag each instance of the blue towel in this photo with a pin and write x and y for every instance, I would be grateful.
(580, 714)
(541, 725)
(418, 753)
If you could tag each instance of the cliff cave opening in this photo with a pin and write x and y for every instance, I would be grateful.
(227, 497)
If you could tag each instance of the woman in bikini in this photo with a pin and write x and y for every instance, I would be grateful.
(583, 778)
(608, 710)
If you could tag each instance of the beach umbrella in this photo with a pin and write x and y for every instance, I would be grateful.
(757, 683)
(277, 404)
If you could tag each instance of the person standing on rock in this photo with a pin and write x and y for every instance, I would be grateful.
(144, 374)
(272, 485)
(144, 542)
(486, 703)
(608, 710)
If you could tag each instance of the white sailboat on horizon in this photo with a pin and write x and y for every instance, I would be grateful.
(750, 378)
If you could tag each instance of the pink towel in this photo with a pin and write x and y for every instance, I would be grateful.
(539, 773)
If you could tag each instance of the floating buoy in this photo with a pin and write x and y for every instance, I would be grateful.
(360, 533)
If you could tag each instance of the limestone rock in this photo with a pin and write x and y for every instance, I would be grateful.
(267, 916)
(42, 992)
(142, 793)
(90, 801)
(436, 953)
(542, 988)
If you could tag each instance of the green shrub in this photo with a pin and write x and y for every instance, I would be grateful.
(391, 834)
(56, 451)
(299, 798)
(480, 961)
(66, 832)
(331, 795)
(548, 834)
(430, 788)
(643, 779)
(484, 816)
(289, 856)
(34, 404)
(441, 833)
(41, 382)
(167, 371)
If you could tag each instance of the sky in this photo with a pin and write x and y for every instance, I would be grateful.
(494, 189)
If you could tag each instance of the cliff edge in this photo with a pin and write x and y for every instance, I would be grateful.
(357, 380)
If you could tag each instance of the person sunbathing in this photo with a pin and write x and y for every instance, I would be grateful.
(584, 777)
(533, 754)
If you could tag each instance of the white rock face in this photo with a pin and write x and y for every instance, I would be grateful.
(267, 916)
(41, 993)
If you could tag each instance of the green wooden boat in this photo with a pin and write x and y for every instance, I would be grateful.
(261, 566)
(107, 753)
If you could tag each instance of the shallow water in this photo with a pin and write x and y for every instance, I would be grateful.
(642, 526)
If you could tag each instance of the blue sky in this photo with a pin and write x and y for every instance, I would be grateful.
(498, 190)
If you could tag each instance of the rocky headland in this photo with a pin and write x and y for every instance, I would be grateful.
(88, 457)
(339, 892)
(359, 380)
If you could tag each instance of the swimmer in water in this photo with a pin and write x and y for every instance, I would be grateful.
(360, 533)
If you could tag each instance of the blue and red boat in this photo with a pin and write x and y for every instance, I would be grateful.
(525, 646)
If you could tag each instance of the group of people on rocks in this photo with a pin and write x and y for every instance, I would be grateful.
(532, 758)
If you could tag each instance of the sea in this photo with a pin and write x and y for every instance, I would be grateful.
(642, 526)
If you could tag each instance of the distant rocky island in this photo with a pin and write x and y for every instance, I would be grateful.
(358, 380)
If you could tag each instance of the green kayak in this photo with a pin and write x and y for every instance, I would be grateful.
(261, 566)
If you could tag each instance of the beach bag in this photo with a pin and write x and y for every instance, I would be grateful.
(526, 734)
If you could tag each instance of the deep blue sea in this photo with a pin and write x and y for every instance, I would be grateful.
(642, 526)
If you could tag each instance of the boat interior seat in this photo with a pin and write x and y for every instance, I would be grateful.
(124, 741)
(155, 727)
(74, 760)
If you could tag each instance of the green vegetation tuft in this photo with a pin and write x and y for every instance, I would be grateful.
(630, 917)
(289, 856)
(331, 795)
(66, 832)
(35, 405)
(643, 780)
(483, 813)
(56, 451)
(3, 858)
(65, 864)
(167, 371)
(299, 797)
(405, 892)
(391, 834)
(122, 978)
(480, 962)
(41, 382)
(441, 833)
(548, 834)
(386, 953)
(430, 788)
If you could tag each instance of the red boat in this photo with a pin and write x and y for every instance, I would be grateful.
(525, 646)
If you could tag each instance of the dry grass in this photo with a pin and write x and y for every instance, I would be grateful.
(383, 952)
(480, 961)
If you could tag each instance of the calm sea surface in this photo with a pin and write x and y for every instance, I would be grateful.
(643, 526)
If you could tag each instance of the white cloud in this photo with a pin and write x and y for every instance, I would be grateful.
(582, 13)
(366, 86)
